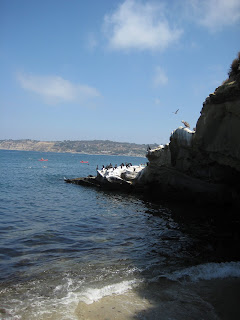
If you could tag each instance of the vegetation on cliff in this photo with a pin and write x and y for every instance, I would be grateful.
(235, 68)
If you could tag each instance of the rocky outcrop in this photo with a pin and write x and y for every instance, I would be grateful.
(201, 165)
(120, 178)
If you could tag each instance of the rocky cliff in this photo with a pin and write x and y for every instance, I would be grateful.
(201, 165)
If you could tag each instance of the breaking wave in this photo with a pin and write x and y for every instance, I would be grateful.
(95, 294)
(207, 271)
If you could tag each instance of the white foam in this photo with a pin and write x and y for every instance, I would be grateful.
(95, 294)
(207, 271)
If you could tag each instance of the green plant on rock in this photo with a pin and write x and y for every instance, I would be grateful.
(235, 67)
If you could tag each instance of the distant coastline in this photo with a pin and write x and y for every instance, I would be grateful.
(101, 147)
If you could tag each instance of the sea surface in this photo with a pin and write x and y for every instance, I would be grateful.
(71, 252)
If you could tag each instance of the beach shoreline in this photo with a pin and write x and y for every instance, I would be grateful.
(215, 299)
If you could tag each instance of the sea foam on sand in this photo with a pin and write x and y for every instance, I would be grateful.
(95, 294)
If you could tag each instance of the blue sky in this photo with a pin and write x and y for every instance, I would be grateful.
(111, 69)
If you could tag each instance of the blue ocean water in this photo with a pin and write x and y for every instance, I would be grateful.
(61, 244)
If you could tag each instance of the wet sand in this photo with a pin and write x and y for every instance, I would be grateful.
(117, 307)
(171, 301)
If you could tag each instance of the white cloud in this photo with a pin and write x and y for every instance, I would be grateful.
(135, 25)
(215, 14)
(160, 77)
(55, 89)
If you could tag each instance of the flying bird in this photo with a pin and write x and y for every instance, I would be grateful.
(176, 111)
(187, 125)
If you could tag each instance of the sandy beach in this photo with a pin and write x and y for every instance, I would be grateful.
(216, 299)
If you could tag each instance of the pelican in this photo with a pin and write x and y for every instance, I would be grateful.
(187, 125)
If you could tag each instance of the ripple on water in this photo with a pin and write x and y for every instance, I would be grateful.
(61, 244)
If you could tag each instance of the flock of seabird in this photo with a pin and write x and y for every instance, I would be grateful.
(110, 166)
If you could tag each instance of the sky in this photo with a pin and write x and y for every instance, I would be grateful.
(111, 69)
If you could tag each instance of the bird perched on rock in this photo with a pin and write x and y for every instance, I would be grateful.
(187, 125)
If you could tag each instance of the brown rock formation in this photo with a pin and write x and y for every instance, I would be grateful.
(218, 128)
(203, 165)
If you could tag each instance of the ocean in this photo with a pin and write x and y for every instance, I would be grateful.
(70, 252)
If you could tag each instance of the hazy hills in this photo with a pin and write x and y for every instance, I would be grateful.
(106, 147)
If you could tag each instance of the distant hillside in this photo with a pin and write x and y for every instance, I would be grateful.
(106, 147)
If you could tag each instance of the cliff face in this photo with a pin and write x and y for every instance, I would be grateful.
(203, 165)
(218, 128)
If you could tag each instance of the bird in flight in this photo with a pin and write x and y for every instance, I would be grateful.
(176, 111)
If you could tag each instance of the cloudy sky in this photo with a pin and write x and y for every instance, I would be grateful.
(111, 69)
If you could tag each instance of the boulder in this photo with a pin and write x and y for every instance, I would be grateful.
(160, 156)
